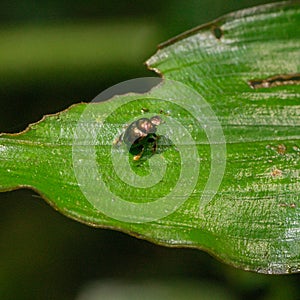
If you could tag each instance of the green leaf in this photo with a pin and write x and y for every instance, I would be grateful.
(225, 175)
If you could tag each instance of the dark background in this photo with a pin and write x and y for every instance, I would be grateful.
(54, 54)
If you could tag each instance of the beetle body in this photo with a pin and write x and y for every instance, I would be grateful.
(140, 133)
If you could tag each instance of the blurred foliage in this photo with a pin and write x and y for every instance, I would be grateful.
(46, 68)
(44, 255)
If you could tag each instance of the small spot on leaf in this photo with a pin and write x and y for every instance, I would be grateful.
(281, 149)
(291, 205)
(278, 80)
(217, 32)
(276, 173)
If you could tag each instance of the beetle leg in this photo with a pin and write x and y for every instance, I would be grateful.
(154, 147)
(118, 141)
(138, 156)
